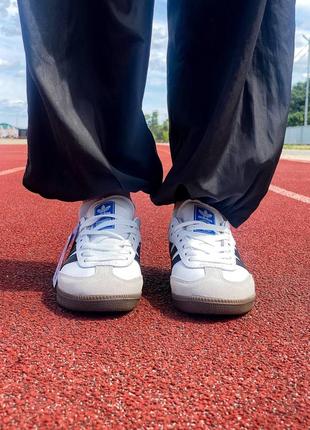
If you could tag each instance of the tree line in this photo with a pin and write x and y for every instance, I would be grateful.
(160, 130)
(296, 114)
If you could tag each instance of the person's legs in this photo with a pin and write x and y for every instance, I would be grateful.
(86, 72)
(88, 139)
(229, 78)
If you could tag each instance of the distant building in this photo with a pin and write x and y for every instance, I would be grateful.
(9, 131)
(22, 133)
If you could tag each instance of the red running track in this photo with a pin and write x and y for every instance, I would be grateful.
(154, 368)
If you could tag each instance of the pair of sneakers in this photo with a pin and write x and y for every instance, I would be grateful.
(102, 272)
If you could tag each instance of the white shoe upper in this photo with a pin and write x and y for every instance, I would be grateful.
(108, 236)
(205, 261)
(105, 258)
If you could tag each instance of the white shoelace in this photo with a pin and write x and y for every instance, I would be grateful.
(106, 239)
(203, 248)
(103, 239)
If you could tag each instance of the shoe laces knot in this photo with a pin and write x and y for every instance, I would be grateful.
(107, 240)
(202, 244)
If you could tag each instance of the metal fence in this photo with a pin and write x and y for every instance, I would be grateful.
(298, 135)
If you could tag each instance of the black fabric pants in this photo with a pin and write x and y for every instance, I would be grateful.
(229, 79)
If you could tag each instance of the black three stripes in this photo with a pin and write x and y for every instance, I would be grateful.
(239, 262)
(72, 255)
(174, 253)
(137, 256)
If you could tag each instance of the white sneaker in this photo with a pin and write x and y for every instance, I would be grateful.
(207, 274)
(102, 271)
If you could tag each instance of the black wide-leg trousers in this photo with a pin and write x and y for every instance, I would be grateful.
(229, 79)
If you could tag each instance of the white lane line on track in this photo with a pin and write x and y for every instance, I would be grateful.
(283, 157)
(9, 171)
(290, 194)
(274, 188)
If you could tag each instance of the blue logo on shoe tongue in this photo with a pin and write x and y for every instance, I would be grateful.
(108, 207)
(204, 215)
(105, 208)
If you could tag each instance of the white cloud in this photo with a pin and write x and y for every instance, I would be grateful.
(156, 87)
(157, 67)
(303, 3)
(4, 62)
(13, 111)
(12, 8)
(15, 103)
(302, 28)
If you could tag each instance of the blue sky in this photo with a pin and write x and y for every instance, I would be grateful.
(13, 104)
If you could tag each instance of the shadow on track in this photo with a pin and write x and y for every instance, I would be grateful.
(156, 290)
(20, 276)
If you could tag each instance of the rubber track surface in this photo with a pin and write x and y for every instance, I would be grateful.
(154, 368)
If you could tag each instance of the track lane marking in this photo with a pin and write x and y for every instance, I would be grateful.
(9, 171)
(289, 194)
(273, 188)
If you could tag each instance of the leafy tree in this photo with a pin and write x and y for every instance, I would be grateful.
(297, 105)
(165, 131)
(295, 118)
(159, 131)
(296, 114)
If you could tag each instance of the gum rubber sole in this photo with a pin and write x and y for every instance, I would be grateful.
(97, 303)
(209, 306)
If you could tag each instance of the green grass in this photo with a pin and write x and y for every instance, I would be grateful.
(289, 146)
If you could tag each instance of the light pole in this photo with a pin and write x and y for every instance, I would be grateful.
(307, 84)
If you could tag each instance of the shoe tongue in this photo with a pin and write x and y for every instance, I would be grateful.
(198, 211)
(114, 205)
